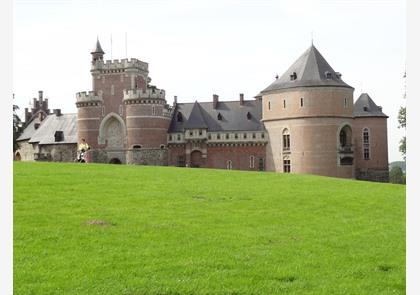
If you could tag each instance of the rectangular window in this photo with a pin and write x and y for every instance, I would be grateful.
(251, 162)
(218, 136)
(170, 137)
(178, 137)
(200, 132)
(286, 166)
(112, 90)
(253, 135)
(227, 135)
(366, 153)
(345, 102)
(244, 135)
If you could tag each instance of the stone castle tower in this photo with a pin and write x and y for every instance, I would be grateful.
(124, 118)
(313, 129)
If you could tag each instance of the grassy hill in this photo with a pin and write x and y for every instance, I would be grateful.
(109, 229)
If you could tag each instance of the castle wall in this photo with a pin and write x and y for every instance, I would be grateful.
(313, 146)
(148, 156)
(59, 152)
(376, 167)
(219, 155)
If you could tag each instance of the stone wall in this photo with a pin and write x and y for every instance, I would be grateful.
(58, 152)
(373, 174)
(27, 150)
(148, 156)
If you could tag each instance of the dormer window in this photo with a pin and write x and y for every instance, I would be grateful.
(179, 117)
(58, 136)
(293, 76)
(328, 75)
(338, 75)
(248, 116)
(219, 117)
(365, 108)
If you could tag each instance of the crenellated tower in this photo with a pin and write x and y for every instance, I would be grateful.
(123, 111)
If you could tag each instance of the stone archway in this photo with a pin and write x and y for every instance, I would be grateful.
(18, 157)
(196, 159)
(112, 132)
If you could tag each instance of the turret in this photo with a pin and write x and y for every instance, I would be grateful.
(97, 53)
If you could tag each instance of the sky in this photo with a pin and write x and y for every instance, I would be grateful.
(199, 48)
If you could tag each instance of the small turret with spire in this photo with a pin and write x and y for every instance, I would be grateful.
(97, 53)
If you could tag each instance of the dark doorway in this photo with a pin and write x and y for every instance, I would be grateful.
(115, 161)
(196, 159)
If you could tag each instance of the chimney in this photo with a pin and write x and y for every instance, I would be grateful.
(57, 112)
(241, 99)
(26, 115)
(215, 101)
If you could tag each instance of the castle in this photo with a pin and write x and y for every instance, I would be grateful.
(303, 122)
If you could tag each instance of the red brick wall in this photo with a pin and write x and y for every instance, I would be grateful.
(217, 156)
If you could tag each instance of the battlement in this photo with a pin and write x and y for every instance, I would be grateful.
(90, 96)
(117, 64)
(144, 93)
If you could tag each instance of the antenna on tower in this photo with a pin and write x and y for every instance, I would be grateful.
(111, 46)
(126, 56)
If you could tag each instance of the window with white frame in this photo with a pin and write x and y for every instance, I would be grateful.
(286, 165)
(366, 144)
(251, 161)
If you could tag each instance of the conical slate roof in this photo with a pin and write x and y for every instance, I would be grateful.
(310, 69)
(196, 119)
(98, 48)
(366, 107)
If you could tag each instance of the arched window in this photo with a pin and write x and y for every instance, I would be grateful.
(366, 144)
(248, 116)
(286, 140)
(345, 136)
(219, 117)
(179, 117)
(251, 161)
(229, 164)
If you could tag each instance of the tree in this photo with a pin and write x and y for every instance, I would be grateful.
(396, 175)
(402, 124)
(17, 126)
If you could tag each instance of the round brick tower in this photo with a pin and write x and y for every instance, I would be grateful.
(308, 114)
(148, 118)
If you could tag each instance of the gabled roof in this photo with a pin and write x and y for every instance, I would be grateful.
(196, 119)
(29, 130)
(67, 123)
(366, 107)
(310, 69)
(98, 48)
(233, 116)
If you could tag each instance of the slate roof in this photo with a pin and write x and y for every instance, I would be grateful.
(366, 107)
(29, 130)
(311, 70)
(98, 48)
(233, 116)
(46, 131)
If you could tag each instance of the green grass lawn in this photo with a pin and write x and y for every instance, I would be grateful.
(110, 229)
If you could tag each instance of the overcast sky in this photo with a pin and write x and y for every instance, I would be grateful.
(199, 48)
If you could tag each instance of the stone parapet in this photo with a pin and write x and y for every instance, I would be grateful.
(117, 64)
(149, 93)
(91, 96)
